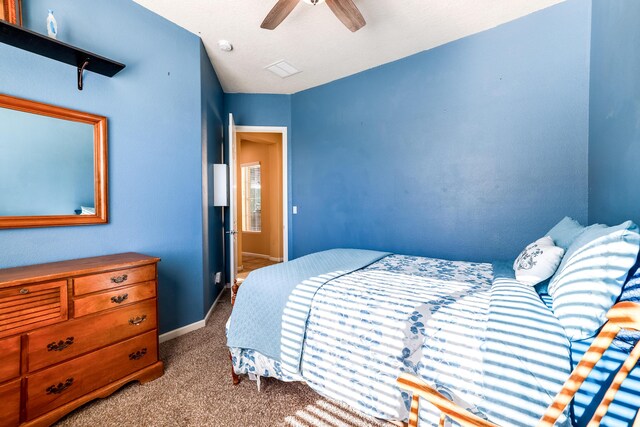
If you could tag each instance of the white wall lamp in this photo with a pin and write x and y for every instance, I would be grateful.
(220, 176)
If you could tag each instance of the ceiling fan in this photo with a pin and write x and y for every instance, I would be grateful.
(345, 10)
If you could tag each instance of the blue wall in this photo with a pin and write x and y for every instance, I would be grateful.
(155, 143)
(614, 150)
(467, 151)
(258, 109)
(212, 142)
(48, 170)
(614, 126)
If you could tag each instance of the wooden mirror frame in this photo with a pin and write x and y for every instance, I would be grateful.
(11, 11)
(99, 124)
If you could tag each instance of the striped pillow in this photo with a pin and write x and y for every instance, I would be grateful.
(591, 275)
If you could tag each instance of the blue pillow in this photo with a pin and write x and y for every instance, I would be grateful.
(565, 232)
(591, 275)
(542, 288)
(590, 233)
(504, 270)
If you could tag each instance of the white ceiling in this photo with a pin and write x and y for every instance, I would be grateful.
(313, 40)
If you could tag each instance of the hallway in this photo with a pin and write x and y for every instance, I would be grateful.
(250, 263)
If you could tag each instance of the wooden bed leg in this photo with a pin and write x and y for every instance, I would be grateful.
(234, 376)
(234, 291)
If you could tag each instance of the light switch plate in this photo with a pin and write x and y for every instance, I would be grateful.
(295, 210)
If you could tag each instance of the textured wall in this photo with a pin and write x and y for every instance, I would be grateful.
(154, 116)
(212, 143)
(467, 151)
(614, 150)
(614, 125)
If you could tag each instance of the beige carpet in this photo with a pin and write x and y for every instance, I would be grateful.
(196, 390)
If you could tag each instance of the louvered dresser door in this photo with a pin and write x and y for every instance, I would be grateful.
(74, 331)
(27, 307)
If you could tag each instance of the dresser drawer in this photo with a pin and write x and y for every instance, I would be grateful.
(32, 306)
(56, 386)
(112, 299)
(9, 358)
(113, 279)
(10, 404)
(61, 342)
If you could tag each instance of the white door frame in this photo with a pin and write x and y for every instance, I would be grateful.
(285, 183)
(233, 271)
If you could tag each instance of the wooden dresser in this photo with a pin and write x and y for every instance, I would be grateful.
(74, 331)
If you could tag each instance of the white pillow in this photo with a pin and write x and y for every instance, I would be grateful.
(538, 261)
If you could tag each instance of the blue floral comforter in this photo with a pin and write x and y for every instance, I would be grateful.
(425, 316)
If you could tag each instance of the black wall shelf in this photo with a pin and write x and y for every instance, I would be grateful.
(31, 41)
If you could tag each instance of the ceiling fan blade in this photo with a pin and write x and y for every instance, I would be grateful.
(281, 10)
(348, 13)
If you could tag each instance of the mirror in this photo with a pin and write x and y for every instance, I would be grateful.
(53, 165)
(11, 11)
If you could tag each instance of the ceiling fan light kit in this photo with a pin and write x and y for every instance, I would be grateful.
(345, 10)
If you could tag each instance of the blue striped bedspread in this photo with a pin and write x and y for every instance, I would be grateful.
(474, 339)
(273, 302)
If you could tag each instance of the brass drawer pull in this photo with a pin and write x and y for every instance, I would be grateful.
(137, 320)
(138, 354)
(60, 345)
(57, 389)
(119, 279)
(119, 299)
(24, 291)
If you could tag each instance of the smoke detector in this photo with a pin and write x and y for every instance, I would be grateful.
(225, 45)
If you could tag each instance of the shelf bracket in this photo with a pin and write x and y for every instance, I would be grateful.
(80, 73)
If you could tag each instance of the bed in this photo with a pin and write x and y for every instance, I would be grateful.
(349, 322)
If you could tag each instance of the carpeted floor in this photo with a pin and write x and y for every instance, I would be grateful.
(196, 390)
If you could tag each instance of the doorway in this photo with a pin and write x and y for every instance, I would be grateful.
(260, 211)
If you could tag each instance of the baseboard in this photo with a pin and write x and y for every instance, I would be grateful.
(192, 327)
(255, 255)
(270, 258)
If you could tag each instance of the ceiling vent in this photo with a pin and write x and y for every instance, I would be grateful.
(282, 69)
